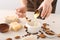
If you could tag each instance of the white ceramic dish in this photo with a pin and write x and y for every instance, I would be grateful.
(35, 28)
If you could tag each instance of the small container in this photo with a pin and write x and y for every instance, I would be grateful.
(38, 14)
(33, 29)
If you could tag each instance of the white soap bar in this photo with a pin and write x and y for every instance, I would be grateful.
(10, 19)
(15, 26)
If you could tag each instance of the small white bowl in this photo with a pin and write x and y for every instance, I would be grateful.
(33, 29)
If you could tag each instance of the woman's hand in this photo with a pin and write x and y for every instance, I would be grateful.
(21, 12)
(47, 8)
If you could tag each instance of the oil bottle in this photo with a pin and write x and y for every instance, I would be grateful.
(37, 14)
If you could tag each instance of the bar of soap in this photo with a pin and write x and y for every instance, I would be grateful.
(15, 26)
(10, 19)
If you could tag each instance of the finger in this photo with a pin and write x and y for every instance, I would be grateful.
(17, 12)
(46, 13)
(18, 9)
(43, 12)
(39, 7)
(49, 11)
(20, 15)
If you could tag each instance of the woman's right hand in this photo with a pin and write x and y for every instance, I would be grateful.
(21, 12)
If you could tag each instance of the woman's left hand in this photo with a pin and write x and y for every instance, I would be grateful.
(47, 8)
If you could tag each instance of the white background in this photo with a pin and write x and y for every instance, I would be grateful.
(13, 4)
(9, 4)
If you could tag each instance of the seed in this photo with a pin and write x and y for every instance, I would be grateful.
(26, 17)
(17, 37)
(42, 36)
(25, 27)
(9, 39)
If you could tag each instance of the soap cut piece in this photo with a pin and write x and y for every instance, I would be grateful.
(15, 26)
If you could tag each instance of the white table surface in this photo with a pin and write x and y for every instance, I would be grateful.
(53, 17)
